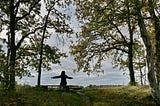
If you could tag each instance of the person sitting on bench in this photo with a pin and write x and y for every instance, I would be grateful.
(63, 77)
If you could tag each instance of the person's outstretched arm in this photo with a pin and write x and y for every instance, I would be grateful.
(69, 77)
(56, 77)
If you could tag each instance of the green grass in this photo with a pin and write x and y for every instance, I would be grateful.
(109, 96)
(120, 96)
(40, 97)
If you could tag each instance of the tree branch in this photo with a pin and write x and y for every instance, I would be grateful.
(30, 9)
(23, 37)
(119, 32)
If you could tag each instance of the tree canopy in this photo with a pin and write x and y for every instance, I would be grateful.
(112, 27)
(109, 29)
(24, 24)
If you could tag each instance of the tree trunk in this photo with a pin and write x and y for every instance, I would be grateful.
(130, 52)
(132, 77)
(156, 24)
(149, 56)
(12, 47)
(141, 76)
(41, 50)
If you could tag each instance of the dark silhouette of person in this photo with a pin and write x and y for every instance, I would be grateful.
(63, 83)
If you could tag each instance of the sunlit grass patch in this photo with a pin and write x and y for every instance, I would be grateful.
(120, 96)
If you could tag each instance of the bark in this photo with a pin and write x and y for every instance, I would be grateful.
(130, 47)
(130, 56)
(141, 76)
(41, 50)
(149, 53)
(12, 47)
(156, 25)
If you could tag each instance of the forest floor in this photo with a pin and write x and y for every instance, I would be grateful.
(95, 96)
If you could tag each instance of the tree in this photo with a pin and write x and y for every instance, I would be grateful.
(59, 25)
(20, 18)
(24, 25)
(139, 61)
(104, 34)
(146, 21)
(149, 37)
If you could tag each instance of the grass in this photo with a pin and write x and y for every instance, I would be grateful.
(40, 97)
(109, 96)
(120, 96)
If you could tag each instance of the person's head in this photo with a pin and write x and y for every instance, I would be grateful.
(63, 73)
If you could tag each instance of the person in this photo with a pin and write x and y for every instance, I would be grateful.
(63, 83)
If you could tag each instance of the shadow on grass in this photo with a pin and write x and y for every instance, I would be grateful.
(40, 97)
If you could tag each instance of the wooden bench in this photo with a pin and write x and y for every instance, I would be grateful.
(56, 87)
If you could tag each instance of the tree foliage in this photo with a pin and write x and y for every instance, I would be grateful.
(108, 30)
(23, 22)
(109, 18)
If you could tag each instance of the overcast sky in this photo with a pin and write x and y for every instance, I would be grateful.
(109, 77)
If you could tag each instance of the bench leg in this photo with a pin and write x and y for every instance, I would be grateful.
(67, 88)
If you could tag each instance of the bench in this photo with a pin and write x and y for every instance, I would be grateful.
(56, 87)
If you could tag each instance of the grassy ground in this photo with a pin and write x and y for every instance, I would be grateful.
(109, 96)
(120, 96)
(40, 97)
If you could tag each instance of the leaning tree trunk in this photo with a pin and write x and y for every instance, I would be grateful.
(156, 25)
(150, 61)
(152, 68)
(41, 49)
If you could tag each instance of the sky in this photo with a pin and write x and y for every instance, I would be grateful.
(109, 77)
